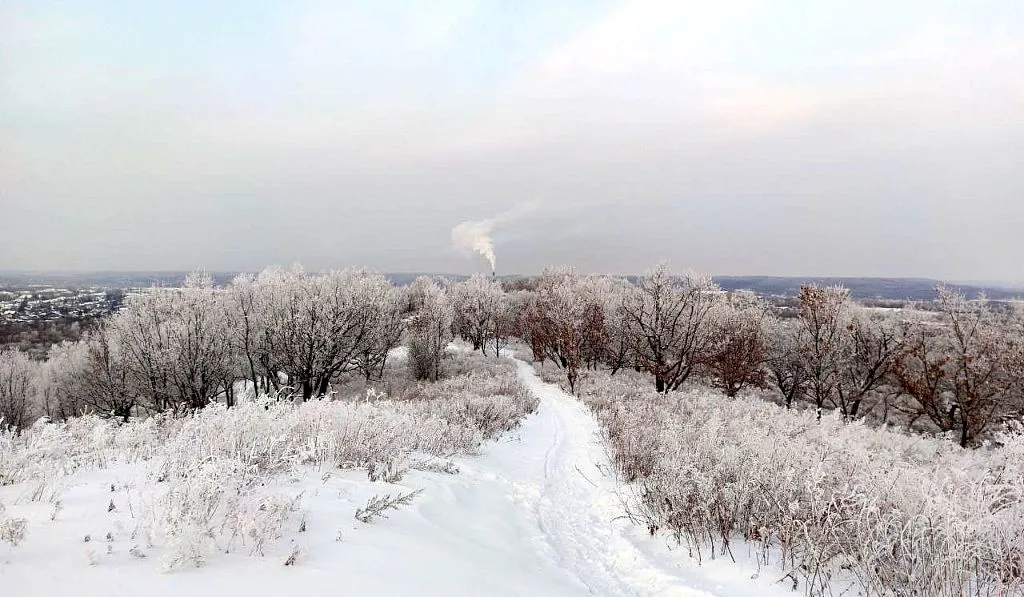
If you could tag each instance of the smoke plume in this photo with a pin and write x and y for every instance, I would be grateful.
(476, 235)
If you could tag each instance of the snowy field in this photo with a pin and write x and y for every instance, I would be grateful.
(536, 512)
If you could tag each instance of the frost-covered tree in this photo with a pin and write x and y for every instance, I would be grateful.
(105, 384)
(564, 322)
(823, 317)
(478, 303)
(962, 370)
(503, 325)
(60, 379)
(176, 344)
(200, 345)
(430, 331)
(844, 352)
(419, 287)
(785, 363)
(1015, 359)
(872, 342)
(137, 341)
(737, 355)
(668, 320)
(530, 327)
(246, 330)
(385, 334)
(616, 350)
(17, 388)
(314, 328)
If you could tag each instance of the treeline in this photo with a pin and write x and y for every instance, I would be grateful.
(36, 337)
(957, 368)
(283, 333)
(177, 349)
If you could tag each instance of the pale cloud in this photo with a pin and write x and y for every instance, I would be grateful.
(741, 136)
(742, 65)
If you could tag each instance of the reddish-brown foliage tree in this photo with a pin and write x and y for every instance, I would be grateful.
(738, 351)
(961, 369)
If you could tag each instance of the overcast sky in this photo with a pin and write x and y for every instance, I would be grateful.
(868, 137)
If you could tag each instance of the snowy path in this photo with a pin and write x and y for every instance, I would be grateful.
(535, 515)
(582, 516)
(579, 510)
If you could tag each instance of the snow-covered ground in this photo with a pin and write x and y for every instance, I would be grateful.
(536, 514)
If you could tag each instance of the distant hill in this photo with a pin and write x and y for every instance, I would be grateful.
(913, 289)
(406, 278)
(103, 279)
(143, 279)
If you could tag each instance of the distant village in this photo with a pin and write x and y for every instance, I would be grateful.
(39, 304)
(34, 317)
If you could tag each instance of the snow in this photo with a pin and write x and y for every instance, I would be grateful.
(582, 515)
(537, 513)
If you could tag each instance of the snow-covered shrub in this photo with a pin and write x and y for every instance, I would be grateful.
(217, 457)
(260, 521)
(378, 505)
(549, 374)
(12, 530)
(203, 473)
(823, 500)
(486, 395)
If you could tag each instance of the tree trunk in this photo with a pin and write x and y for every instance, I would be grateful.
(323, 386)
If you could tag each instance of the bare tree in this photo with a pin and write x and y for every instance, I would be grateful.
(822, 339)
(668, 320)
(737, 355)
(430, 331)
(106, 384)
(873, 342)
(314, 328)
(961, 370)
(478, 303)
(565, 322)
(785, 363)
(17, 376)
